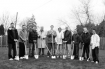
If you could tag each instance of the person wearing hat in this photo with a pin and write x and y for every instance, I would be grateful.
(51, 34)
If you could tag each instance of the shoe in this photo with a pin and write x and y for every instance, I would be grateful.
(10, 59)
(82, 58)
(25, 57)
(60, 56)
(57, 56)
(88, 59)
(17, 58)
(96, 62)
(64, 56)
(48, 56)
(92, 61)
(72, 57)
(21, 57)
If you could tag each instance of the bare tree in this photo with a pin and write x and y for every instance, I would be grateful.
(84, 12)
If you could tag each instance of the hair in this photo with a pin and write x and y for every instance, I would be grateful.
(94, 29)
(23, 25)
(52, 26)
(12, 23)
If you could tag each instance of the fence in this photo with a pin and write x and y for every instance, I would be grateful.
(3, 42)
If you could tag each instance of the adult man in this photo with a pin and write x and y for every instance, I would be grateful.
(86, 43)
(67, 40)
(51, 41)
(76, 40)
(41, 40)
(12, 39)
(95, 43)
(33, 36)
(59, 38)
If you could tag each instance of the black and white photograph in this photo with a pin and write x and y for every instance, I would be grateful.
(52, 34)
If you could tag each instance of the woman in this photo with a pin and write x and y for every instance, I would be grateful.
(22, 42)
(41, 41)
(59, 38)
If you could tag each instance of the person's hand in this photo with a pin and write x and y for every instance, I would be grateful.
(91, 44)
(64, 41)
(73, 41)
(34, 41)
(15, 40)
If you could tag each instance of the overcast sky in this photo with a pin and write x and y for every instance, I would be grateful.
(49, 12)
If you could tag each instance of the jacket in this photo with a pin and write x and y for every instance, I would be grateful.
(76, 38)
(67, 36)
(86, 38)
(51, 36)
(12, 34)
(33, 35)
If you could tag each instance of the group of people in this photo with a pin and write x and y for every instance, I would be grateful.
(58, 43)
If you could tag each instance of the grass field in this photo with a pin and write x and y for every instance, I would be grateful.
(47, 63)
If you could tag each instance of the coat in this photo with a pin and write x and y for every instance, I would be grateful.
(33, 35)
(59, 37)
(67, 36)
(12, 34)
(86, 38)
(51, 36)
(76, 38)
(41, 39)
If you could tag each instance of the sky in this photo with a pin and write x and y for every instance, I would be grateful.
(49, 12)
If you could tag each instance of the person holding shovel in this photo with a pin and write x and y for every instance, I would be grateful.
(67, 43)
(33, 36)
(23, 37)
(12, 40)
(58, 39)
(76, 40)
(51, 42)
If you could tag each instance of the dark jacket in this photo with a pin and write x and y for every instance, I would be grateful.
(76, 38)
(33, 35)
(12, 34)
(67, 36)
(86, 38)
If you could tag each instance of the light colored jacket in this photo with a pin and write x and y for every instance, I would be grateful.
(42, 39)
(23, 36)
(59, 37)
(95, 41)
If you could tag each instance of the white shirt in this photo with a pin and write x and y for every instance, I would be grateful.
(95, 41)
(59, 37)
